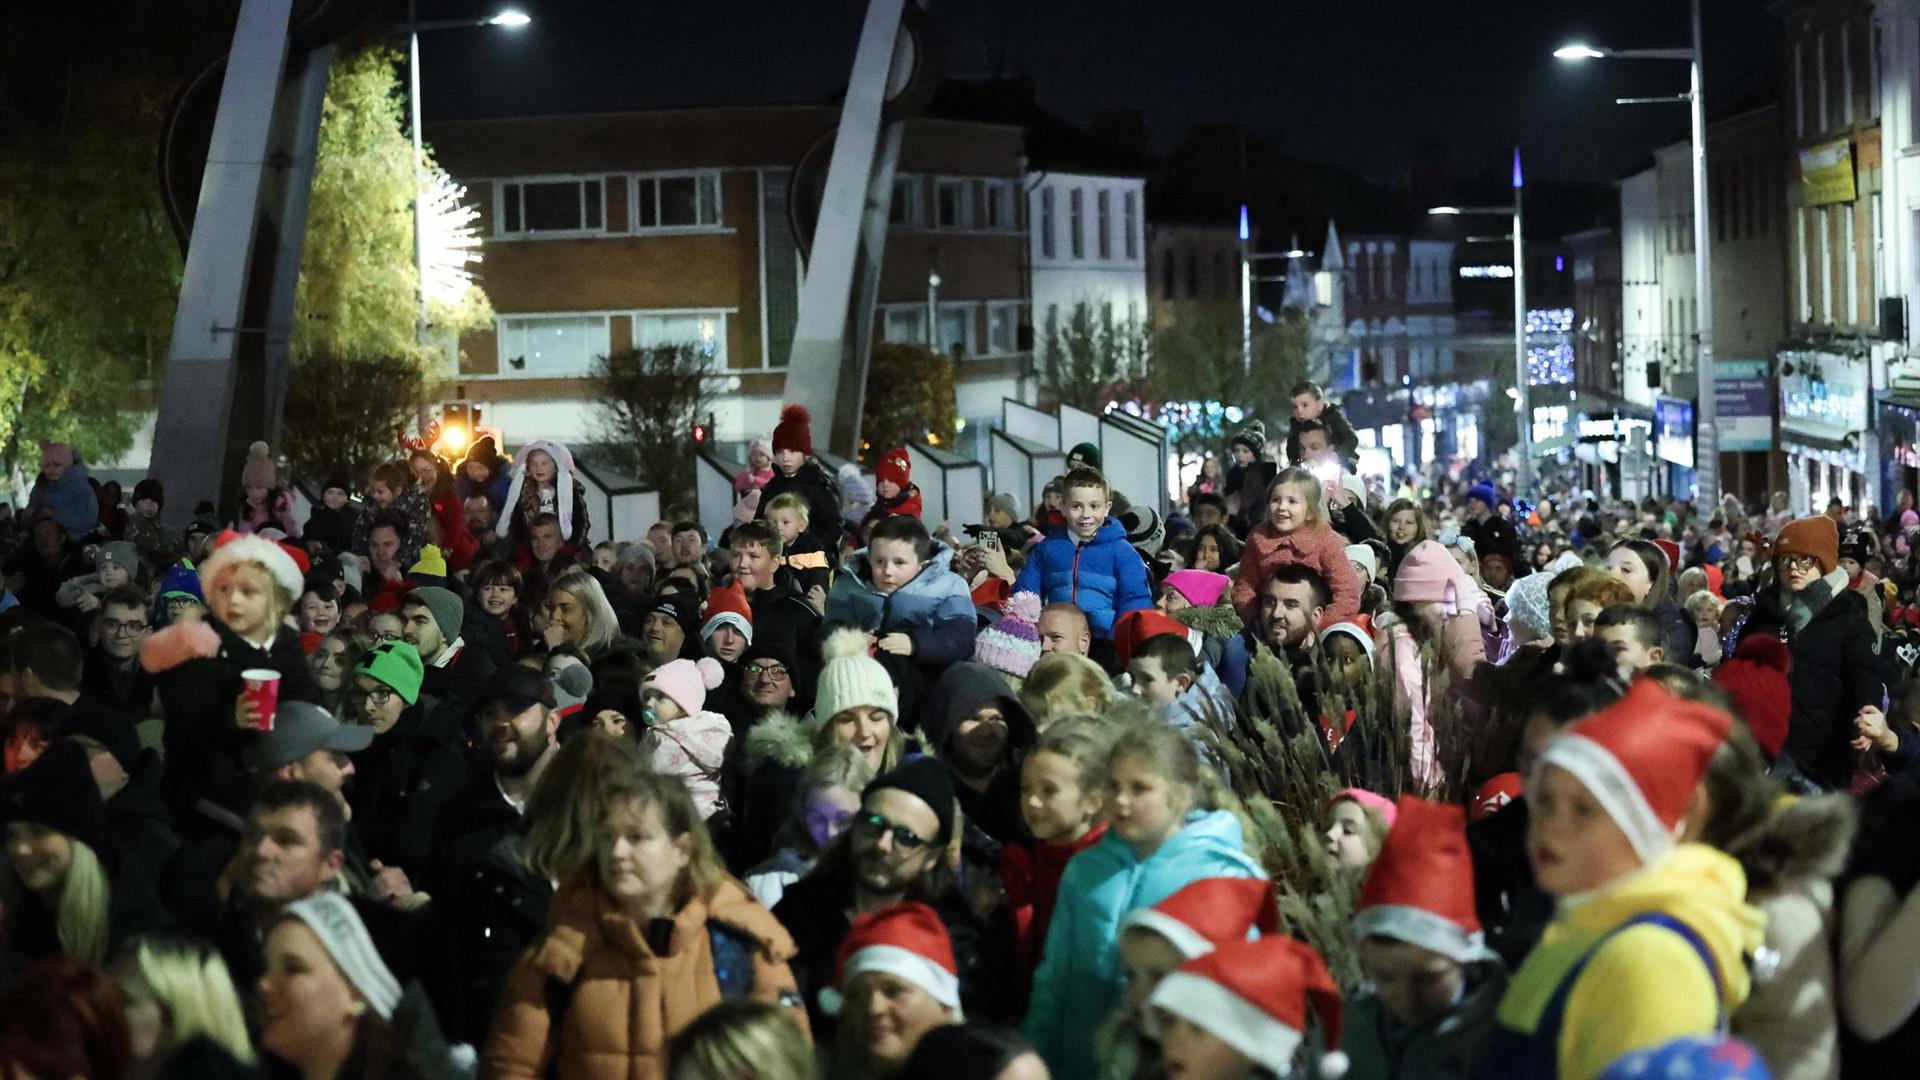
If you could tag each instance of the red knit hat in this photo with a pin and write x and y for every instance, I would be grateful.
(1641, 758)
(895, 467)
(1672, 551)
(1211, 913)
(727, 607)
(1137, 626)
(1255, 996)
(908, 941)
(1420, 889)
(1756, 676)
(795, 430)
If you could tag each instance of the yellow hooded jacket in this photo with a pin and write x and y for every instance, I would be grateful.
(1647, 984)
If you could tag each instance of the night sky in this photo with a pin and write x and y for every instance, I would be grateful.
(1355, 83)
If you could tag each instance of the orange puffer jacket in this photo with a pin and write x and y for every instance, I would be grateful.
(627, 1000)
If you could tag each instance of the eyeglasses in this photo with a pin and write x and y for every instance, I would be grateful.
(871, 827)
(379, 695)
(385, 635)
(1799, 562)
(771, 672)
(117, 628)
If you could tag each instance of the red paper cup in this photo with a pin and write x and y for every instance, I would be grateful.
(263, 689)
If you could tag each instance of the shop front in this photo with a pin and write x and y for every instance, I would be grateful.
(1897, 424)
(1824, 428)
(1673, 447)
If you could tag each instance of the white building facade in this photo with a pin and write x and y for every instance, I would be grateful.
(1087, 244)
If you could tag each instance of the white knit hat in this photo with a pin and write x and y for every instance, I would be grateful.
(333, 920)
(851, 678)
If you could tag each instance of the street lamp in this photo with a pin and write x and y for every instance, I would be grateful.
(1246, 297)
(933, 310)
(1523, 477)
(508, 18)
(1706, 435)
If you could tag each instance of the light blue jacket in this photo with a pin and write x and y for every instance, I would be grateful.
(1205, 706)
(71, 499)
(935, 609)
(1081, 981)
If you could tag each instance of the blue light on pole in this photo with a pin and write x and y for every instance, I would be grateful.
(1516, 169)
(1244, 234)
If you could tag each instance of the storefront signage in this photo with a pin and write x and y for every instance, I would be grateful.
(1673, 442)
(1497, 271)
(1743, 404)
(1549, 422)
(1826, 173)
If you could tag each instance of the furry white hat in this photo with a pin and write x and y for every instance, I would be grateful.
(233, 548)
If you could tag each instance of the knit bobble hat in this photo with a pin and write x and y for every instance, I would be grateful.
(1756, 676)
(1420, 888)
(850, 678)
(895, 468)
(397, 665)
(687, 682)
(1253, 437)
(1427, 573)
(1388, 810)
(907, 941)
(259, 470)
(1641, 758)
(1012, 645)
(1256, 996)
(1146, 530)
(1817, 536)
(1856, 545)
(795, 430)
(1211, 913)
(1086, 454)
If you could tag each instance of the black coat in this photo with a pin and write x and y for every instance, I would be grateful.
(813, 483)
(333, 528)
(785, 622)
(1678, 633)
(1340, 435)
(402, 782)
(1837, 669)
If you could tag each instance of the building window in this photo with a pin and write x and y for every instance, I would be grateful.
(906, 324)
(533, 346)
(1193, 273)
(908, 207)
(1103, 223)
(951, 205)
(1879, 256)
(680, 201)
(1803, 256)
(996, 205)
(1168, 273)
(1003, 326)
(1130, 221)
(1076, 223)
(1846, 76)
(706, 331)
(1820, 79)
(1799, 89)
(1048, 246)
(528, 207)
(1823, 226)
(956, 330)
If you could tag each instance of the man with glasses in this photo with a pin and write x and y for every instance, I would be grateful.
(113, 676)
(761, 797)
(896, 850)
(416, 763)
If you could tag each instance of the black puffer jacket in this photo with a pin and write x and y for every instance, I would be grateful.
(1837, 669)
(813, 483)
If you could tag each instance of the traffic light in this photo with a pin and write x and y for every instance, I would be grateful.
(702, 431)
(458, 422)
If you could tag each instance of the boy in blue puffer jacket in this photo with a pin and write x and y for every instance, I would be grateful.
(903, 592)
(1088, 563)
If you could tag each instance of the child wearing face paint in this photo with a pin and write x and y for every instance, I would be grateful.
(1168, 827)
(1209, 914)
(1652, 934)
(1296, 531)
(828, 799)
(1432, 983)
(685, 740)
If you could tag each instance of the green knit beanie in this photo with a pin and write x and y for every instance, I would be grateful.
(397, 664)
(1086, 452)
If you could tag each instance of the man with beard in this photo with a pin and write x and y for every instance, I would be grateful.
(1291, 606)
(975, 723)
(896, 850)
(490, 906)
(433, 619)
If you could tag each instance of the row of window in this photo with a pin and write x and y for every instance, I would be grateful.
(1219, 286)
(551, 346)
(959, 204)
(1826, 76)
(963, 328)
(1103, 223)
(1827, 265)
(602, 205)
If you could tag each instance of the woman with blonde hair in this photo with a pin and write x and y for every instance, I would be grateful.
(569, 803)
(1062, 684)
(54, 890)
(578, 614)
(178, 991)
(741, 1039)
(639, 944)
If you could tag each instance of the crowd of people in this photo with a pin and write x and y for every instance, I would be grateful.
(1434, 779)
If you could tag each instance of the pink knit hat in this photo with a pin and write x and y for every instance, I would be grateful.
(1379, 804)
(1202, 588)
(687, 682)
(1427, 573)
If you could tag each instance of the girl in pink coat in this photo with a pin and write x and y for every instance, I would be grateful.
(1296, 531)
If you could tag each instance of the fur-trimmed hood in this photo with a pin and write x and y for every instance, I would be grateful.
(782, 740)
(1218, 621)
(1803, 839)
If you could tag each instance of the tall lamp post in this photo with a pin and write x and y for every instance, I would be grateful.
(1523, 475)
(1706, 435)
(508, 19)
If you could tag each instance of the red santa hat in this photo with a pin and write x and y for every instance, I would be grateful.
(1672, 551)
(795, 430)
(895, 466)
(1641, 758)
(727, 607)
(1255, 996)
(1357, 627)
(907, 941)
(1420, 889)
(1211, 913)
(231, 549)
(1137, 626)
(1495, 794)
